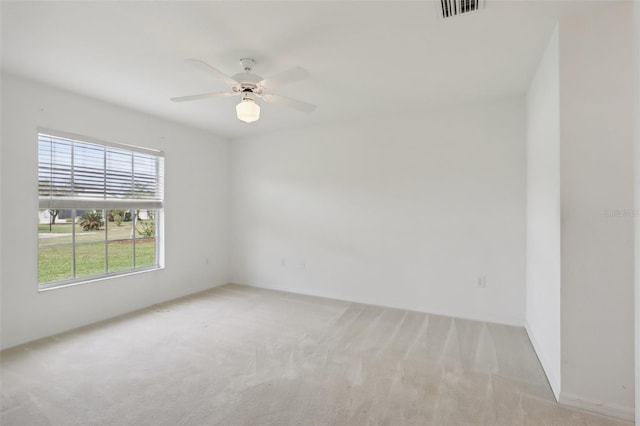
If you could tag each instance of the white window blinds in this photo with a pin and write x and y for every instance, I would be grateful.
(74, 172)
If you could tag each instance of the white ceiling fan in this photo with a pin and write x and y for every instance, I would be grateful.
(251, 86)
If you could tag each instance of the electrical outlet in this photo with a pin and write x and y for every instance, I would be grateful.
(482, 282)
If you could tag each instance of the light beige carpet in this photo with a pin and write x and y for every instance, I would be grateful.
(244, 356)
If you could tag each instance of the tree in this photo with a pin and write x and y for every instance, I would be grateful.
(53, 213)
(138, 190)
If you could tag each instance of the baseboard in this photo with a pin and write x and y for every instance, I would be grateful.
(108, 317)
(554, 382)
(597, 407)
(495, 319)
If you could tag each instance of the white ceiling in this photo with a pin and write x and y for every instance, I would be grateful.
(365, 58)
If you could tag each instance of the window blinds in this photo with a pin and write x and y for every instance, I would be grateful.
(83, 174)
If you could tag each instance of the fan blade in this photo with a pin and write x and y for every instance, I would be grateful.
(213, 71)
(285, 77)
(204, 96)
(291, 103)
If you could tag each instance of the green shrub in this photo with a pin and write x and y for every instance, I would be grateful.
(116, 216)
(91, 220)
(146, 228)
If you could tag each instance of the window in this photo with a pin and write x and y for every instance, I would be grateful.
(100, 206)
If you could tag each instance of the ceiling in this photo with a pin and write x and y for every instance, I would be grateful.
(365, 58)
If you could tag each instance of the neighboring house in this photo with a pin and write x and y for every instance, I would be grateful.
(44, 216)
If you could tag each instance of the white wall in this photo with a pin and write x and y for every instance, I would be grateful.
(597, 175)
(636, 114)
(543, 213)
(196, 204)
(403, 211)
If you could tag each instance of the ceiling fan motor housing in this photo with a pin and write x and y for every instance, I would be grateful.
(247, 80)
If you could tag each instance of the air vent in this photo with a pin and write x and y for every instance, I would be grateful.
(456, 7)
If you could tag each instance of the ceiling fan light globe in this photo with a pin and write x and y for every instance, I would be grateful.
(248, 111)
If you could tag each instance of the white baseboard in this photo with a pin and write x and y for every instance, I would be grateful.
(496, 319)
(554, 381)
(597, 407)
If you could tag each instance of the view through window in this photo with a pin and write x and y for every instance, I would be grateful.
(100, 206)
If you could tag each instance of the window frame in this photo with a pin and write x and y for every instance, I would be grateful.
(104, 203)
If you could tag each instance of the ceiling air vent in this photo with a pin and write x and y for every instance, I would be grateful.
(456, 7)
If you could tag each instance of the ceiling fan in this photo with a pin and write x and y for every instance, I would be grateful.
(250, 86)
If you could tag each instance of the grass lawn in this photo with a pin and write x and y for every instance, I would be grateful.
(55, 260)
(56, 228)
(113, 232)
